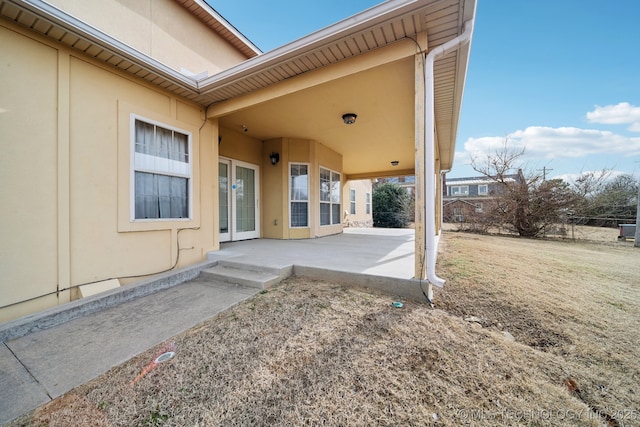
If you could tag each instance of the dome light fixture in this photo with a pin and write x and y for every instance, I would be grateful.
(349, 118)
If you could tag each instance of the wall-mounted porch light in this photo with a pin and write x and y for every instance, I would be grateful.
(349, 118)
(275, 158)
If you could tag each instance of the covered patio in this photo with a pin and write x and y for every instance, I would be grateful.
(379, 258)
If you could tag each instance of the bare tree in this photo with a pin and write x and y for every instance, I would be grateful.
(524, 200)
(606, 201)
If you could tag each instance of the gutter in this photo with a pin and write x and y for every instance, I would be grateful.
(84, 31)
(431, 238)
(376, 15)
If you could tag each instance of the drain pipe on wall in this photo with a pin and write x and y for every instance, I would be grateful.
(431, 238)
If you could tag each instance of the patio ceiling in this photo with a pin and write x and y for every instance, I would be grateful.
(261, 92)
(365, 65)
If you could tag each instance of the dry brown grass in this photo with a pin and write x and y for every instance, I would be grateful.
(318, 353)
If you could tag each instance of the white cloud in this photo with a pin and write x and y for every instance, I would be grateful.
(635, 127)
(622, 113)
(552, 143)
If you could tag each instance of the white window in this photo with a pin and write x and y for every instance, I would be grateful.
(299, 195)
(458, 215)
(352, 201)
(161, 171)
(483, 189)
(368, 204)
(329, 197)
(479, 207)
(459, 190)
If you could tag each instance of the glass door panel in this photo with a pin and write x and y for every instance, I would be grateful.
(224, 200)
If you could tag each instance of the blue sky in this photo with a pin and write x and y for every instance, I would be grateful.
(558, 77)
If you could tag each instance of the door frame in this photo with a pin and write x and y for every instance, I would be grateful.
(233, 234)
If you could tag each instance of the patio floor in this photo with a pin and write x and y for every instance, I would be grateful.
(371, 251)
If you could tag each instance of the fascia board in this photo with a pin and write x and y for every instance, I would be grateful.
(81, 29)
(233, 30)
(369, 18)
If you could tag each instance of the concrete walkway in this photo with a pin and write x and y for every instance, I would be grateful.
(74, 343)
(43, 365)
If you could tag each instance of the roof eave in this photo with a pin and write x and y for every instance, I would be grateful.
(235, 37)
(371, 17)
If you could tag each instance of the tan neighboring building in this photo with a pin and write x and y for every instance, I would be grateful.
(139, 135)
(356, 199)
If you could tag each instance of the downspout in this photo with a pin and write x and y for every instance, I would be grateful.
(431, 239)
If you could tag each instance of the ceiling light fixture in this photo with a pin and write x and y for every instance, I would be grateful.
(349, 118)
(395, 163)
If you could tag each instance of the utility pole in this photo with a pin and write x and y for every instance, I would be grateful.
(544, 172)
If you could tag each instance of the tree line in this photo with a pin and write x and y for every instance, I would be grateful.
(530, 205)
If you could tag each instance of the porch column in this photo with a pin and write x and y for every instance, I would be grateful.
(420, 267)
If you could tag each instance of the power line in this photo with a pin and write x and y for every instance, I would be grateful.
(544, 172)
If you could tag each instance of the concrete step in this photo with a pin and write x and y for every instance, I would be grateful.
(253, 276)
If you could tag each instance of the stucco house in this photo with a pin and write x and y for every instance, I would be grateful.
(139, 135)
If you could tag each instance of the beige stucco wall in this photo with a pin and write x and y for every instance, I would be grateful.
(161, 29)
(65, 131)
(28, 172)
(274, 179)
(361, 218)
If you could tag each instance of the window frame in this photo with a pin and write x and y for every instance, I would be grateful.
(460, 190)
(368, 203)
(139, 162)
(290, 194)
(352, 201)
(483, 189)
(333, 198)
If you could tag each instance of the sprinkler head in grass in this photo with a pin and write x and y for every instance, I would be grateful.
(165, 356)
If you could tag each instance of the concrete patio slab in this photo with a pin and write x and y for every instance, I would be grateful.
(371, 251)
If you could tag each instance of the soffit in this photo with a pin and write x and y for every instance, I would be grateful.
(381, 26)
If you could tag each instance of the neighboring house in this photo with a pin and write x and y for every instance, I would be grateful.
(467, 198)
(139, 135)
(406, 182)
(356, 199)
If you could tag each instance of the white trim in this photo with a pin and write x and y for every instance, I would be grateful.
(376, 15)
(330, 202)
(463, 190)
(353, 202)
(252, 234)
(290, 200)
(225, 237)
(86, 31)
(233, 30)
(153, 164)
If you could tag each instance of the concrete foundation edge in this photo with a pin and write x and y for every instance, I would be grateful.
(404, 288)
(65, 312)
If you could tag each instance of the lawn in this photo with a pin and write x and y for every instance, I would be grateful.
(525, 332)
